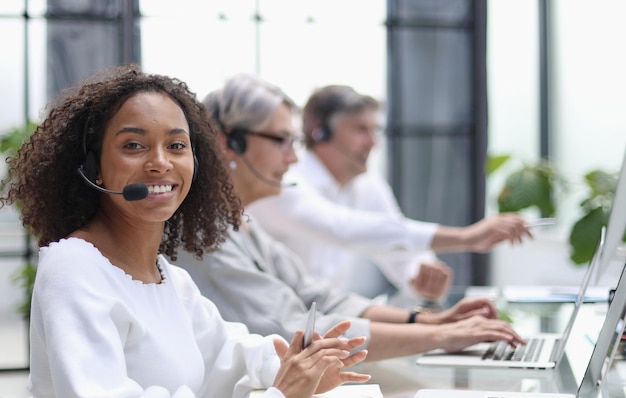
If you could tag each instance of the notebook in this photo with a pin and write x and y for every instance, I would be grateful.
(588, 376)
(543, 350)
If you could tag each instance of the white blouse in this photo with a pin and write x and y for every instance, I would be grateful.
(95, 332)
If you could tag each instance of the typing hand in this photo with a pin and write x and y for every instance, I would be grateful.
(478, 329)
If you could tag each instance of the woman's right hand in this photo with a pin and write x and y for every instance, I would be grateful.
(477, 329)
(317, 368)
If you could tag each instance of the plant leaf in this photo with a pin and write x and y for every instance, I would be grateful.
(11, 141)
(24, 277)
(601, 182)
(585, 235)
(503, 314)
(529, 186)
(494, 163)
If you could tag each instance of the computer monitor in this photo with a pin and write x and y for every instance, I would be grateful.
(616, 223)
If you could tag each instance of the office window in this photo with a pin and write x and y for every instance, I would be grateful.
(589, 85)
(512, 84)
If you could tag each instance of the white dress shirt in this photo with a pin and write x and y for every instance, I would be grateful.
(332, 227)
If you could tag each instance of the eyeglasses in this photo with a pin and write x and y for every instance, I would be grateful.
(285, 142)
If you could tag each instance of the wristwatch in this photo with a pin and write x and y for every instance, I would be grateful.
(415, 311)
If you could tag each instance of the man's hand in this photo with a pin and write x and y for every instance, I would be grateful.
(433, 280)
(483, 235)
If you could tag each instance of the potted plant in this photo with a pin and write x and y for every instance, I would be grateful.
(585, 232)
(24, 277)
(537, 185)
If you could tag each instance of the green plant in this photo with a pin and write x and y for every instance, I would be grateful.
(585, 232)
(531, 185)
(13, 139)
(24, 277)
(505, 315)
(535, 185)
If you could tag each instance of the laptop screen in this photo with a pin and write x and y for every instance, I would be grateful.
(578, 329)
(607, 341)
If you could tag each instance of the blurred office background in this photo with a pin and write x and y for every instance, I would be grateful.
(460, 80)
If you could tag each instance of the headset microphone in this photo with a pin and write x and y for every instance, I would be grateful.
(263, 178)
(131, 192)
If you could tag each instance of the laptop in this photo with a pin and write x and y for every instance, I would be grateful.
(588, 376)
(543, 350)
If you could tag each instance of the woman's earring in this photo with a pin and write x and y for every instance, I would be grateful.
(232, 164)
(98, 181)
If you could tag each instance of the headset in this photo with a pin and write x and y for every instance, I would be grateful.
(326, 112)
(88, 170)
(322, 134)
(236, 140)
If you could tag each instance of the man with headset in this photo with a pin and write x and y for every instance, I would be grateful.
(339, 214)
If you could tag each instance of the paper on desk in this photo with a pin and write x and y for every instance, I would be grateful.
(539, 294)
(346, 391)
(553, 294)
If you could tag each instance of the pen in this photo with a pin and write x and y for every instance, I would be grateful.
(540, 222)
(310, 327)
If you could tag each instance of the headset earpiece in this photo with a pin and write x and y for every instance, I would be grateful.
(90, 166)
(236, 140)
(321, 134)
(195, 167)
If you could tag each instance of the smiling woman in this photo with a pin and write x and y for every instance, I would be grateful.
(145, 142)
(103, 283)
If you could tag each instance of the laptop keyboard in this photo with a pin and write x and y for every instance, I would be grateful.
(503, 351)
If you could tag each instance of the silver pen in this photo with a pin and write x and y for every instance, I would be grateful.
(540, 222)
(310, 327)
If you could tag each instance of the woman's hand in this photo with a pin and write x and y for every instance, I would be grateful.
(317, 368)
(465, 308)
(457, 335)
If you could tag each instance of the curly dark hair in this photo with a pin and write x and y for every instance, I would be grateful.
(55, 201)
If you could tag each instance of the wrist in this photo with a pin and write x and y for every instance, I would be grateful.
(465, 238)
(417, 312)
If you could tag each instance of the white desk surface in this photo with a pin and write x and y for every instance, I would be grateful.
(402, 378)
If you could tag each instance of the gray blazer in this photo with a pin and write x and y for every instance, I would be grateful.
(257, 280)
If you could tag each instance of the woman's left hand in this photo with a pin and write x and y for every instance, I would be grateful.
(317, 368)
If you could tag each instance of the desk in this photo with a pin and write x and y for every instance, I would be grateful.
(401, 377)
